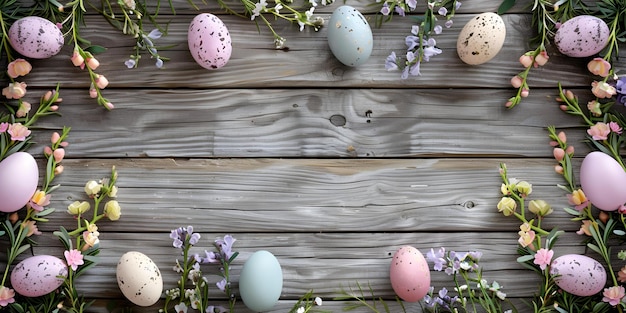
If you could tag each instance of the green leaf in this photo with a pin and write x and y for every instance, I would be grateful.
(95, 49)
(525, 258)
(594, 248)
(619, 232)
(505, 6)
(571, 211)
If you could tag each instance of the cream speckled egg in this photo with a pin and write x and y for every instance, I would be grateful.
(139, 278)
(582, 36)
(38, 275)
(481, 38)
(409, 274)
(19, 176)
(36, 37)
(349, 36)
(578, 274)
(209, 41)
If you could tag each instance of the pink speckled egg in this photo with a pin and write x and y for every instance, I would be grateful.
(19, 176)
(36, 37)
(38, 275)
(409, 274)
(603, 181)
(209, 41)
(578, 274)
(582, 36)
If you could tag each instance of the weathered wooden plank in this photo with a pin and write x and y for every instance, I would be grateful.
(308, 63)
(309, 123)
(311, 195)
(323, 262)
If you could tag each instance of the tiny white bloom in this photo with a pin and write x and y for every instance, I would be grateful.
(318, 301)
(300, 310)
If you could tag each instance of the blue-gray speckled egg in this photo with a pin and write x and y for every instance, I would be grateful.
(349, 36)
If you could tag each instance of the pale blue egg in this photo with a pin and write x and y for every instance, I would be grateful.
(349, 36)
(261, 281)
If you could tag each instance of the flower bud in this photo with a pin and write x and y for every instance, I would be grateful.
(55, 137)
(92, 188)
(562, 137)
(507, 206)
(14, 217)
(542, 58)
(525, 92)
(559, 154)
(47, 151)
(58, 154)
(77, 59)
(516, 81)
(93, 93)
(112, 210)
(526, 60)
(101, 81)
(92, 63)
(559, 169)
(58, 170)
(569, 150)
(77, 207)
(604, 217)
(539, 207)
(563, 107)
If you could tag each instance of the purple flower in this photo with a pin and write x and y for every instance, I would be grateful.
(391, 62)
(400, 11)
(448, 23)
(411, 42)
(405, 73)
(221, 285)
(130, 63)
(620, 87)
(158, 63)
(415, 69)
(438, 29)
(437, 258)
(385, 9)
(412, 4)
(216, 309)
(443, 11)
(225, 246)
(194, 238)
(155, 34)
(431, 51)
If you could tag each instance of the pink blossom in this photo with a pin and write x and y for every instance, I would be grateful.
(543, 257)
(3, 127)
(18, 132)
(19, 67)
(101, 81)
(77, 59)
(603, 90)
(526, 60)
(55, 137)
(39, 200)
(92, 63)
(15, 90)
(600, 131)
(613, 295)
(516, 81)
(542, 58)
(58, 154)
(615, 128)
(93, 93)
(559, 154)
(6, 296)
(23, 109)
(74, 258)
(578, 199)
(599, 66)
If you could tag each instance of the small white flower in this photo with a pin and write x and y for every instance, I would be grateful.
(300, 310)
(501, 295)
(313, 2)
(318, 301)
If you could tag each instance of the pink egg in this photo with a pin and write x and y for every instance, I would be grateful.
(19, 176)
(603, 181)
(578, 274)
(582, 36)
(36, 37)
(38, 275)
(409, 274)
(209, 41)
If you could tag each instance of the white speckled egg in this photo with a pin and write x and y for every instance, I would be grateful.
(582, 36)
(38, 275)
(19, 176)
(36, 37)
(261, 281)
(349, 36)
(481, 38)
(209, 41)
(409, 274)
(139, 278)
(578, 274)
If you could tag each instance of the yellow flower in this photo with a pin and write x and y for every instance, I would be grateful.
(77, 207)
(507, 206)
(113, 192)
(524, 188)
(112, 210)
(539, 207)
(92, 188)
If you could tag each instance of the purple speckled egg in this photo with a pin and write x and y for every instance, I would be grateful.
(19, 176)
(582, 36)
(409, 274)
(209, 41)
(38, 275)
(36, 37)
(578, 274)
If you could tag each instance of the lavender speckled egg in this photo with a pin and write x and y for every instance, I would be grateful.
(582, 36)
(19, 176)
(578, 274)
(409, 274)
(349, 36)
(209, 41)
(139, 278)
(36, 37)
(38, 275)
(481, 38)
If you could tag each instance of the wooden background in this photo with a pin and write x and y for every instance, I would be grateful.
(254, 150)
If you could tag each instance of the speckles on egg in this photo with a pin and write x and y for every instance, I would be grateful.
(578, 274)
(209, 41)
(409, 274)
(350, 40)
(481, 38)
(38, 275)
(36, 37)
(582, 36)
(139, 278)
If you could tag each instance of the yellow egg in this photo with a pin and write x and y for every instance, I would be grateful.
(481, 38)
